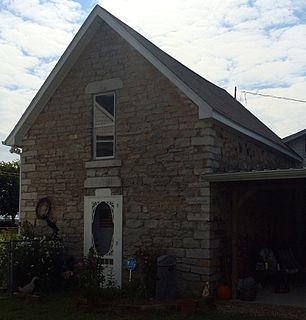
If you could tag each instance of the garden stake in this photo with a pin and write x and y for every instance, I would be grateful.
(131, 265)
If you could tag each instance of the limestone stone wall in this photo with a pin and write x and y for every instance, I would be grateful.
(233, 151)
(161, 150)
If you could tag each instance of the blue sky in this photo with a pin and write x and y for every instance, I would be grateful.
(257, 45)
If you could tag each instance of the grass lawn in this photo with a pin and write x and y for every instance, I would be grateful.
(64, 306)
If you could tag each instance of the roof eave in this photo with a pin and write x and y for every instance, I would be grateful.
(276, 174)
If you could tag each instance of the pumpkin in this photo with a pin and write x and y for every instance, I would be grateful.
(224, 292)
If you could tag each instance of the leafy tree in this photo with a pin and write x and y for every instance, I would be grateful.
(9, 189)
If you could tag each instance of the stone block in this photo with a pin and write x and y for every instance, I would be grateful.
(179, 252)
(134, 223)
(103, 163)
(151, 224)
(205, 263)
(183, 267)
(28, 209)
(199, 141)
(198, 200)
(182, 142)
(200, 270)
(25, 182)
(197, 253)
(29, 142)
(29, 153)
(196, 217)
(103, 85)
(205, 243)
(191, 243)
(29, 195)
(102, 182)
(204, 226)
(207, 277)
(205, 192)
(28, 167)
(201, 235)
(191, 277)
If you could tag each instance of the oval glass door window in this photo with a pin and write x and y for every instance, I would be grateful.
(103, 229)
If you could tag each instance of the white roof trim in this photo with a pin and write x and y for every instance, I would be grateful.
(277, 174)
(73, 52)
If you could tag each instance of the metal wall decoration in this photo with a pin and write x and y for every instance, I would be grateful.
(43, 209)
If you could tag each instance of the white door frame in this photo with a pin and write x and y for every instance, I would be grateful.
(117, 199)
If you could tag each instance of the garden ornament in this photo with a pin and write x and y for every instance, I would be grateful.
(28, 288)
(205, 293)
(131, 266)
(43, 209)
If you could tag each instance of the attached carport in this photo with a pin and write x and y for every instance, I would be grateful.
(255, 209)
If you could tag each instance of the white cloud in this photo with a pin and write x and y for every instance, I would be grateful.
(14, 66)
(255, 45)
(33, 34)
(282, 115)
(61, 14)
(37, 38)
(233, 43)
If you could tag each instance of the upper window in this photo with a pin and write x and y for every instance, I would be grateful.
(104, 125)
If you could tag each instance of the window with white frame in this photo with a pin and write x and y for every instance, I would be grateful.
(104, 125)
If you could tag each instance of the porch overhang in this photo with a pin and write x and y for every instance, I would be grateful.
(269, 193)
(276, 174)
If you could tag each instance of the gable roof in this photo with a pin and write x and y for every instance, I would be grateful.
(213, 102)
(294, 136)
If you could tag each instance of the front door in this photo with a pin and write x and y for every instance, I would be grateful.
(103, 233)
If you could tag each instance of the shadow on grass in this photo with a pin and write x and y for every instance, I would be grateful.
(64, 306)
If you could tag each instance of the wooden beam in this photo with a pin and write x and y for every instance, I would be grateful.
(238, 200)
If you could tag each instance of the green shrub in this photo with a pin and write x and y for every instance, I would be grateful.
(5, 237)
(32, 257)
(39, 257)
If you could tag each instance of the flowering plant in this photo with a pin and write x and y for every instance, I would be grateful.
(90, 274)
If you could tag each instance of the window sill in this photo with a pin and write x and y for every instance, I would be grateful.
(103, 163)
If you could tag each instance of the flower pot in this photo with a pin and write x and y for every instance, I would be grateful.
(224, 292)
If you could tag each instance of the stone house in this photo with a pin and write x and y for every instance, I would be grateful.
(119, 137)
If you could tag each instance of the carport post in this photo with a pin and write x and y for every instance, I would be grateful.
(234, 241)
(238, 199)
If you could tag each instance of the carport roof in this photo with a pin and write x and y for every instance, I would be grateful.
(275, 174)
